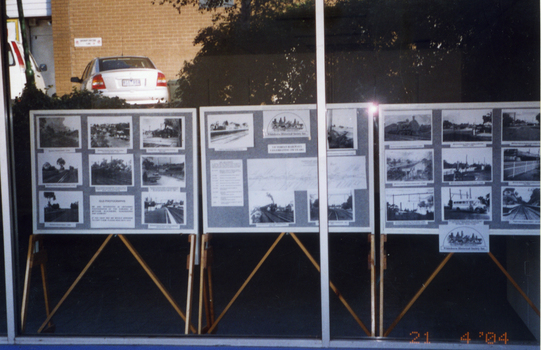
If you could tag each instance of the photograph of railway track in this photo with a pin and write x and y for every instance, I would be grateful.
(285, 124)
(409, 165)
(410, 204)
(467, 125)
(111, 170)
(272, 207)
(520, 164)
(467, 164)
(59, 168)
(162, 132)
(59, 132)
(231, 131)
(61, 207)
(520, 204)
(408, 126)
(113, 132)
(342, 129)
(340, 206)
(466, 203)
(163, 170)
(164, 207)
(520, 125)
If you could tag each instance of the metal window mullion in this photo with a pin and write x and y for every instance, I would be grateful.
(5, 190)
(322, 172)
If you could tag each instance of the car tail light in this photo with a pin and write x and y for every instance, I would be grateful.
(18, 54)
(161, 80)
(98, 83)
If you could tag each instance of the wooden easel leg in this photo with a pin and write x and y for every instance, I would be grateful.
(515, 284)
(246, 282)
(36, 255)
(100, 249)
(202, 265)
(208, 287)
(428, 281)
(372, 266)
(191, 263)
(154, 279)
(382, 268)
(333, 287)
(205, 286)
(26, 288)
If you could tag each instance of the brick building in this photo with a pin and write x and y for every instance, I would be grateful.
(126, 27)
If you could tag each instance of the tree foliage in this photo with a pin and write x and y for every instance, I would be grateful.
(263, 51)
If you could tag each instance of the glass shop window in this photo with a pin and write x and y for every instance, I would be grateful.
(450, 80)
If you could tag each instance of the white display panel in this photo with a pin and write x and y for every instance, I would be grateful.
(114, 171)
(259, 168)
(459, 164)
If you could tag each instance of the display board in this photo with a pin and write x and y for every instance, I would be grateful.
(449, 164)
(259, 168)
(106, 171)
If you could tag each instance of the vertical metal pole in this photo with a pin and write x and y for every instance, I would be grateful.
(5, 189)
(322, 172)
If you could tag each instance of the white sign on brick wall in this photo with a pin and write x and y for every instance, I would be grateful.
(87, 42)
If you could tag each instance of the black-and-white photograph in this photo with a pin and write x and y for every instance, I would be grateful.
(284, 124)
(342, 129)
(520, 164)
(520, 204)
(111, 170)
(163, 171)
(410, 204)
(59, 132)
(60, 168)
(409, 165)
(164, 207)
(340, 205)
(162, 132)
(61, 207)
(231, 131)
(408, 126)
(272, 207)
(467, 164)
(466, 203)
(110, 132)
(520, 125)
(467, 125)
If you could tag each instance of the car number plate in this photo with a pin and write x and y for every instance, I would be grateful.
(131, 82)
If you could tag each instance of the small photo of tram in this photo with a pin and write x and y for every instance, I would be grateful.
(466, 203)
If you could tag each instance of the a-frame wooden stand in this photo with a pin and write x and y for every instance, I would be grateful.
(383, 265)
(205, 295)
(37, 255)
